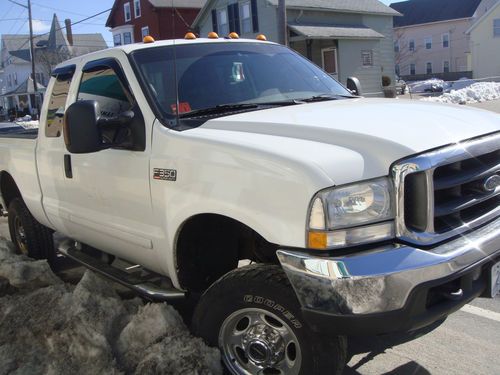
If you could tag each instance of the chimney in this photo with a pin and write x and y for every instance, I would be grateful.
(69, 33)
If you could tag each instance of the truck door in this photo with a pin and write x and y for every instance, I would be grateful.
(106, 200)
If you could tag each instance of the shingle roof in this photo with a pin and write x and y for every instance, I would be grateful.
(337, 32)
(349, 6)
(18, 45)
(416, 12)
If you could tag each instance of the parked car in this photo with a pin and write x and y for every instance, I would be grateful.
(170, 166)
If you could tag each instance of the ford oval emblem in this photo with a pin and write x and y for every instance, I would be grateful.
(491, 183)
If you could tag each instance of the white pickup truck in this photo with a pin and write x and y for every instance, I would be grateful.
(239, 172)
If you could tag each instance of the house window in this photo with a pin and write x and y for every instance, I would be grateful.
(145, 31)
(246, 17)
(428, 43)
(446, 66)
(126, 12)
(40, 78)
(15, 78)
(117, 39)
(127, 37)
(496, 28)
(137, 8)
(222, 22)
(412, 69)
(411, 45)
(446, 40)
(329, 60)
(397, 70)
(396, 46)
(428, 68)
(367, 58)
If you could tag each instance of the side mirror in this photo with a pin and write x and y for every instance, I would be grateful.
(354, 86)
(82, 133)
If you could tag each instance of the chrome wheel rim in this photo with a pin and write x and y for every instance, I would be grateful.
(257, 342)
(21, 239)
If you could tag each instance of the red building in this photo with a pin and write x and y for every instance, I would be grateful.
(131, 20)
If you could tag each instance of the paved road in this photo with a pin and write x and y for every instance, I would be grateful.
(468, 342)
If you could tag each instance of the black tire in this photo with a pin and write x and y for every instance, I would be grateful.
(36, 240)
(264, 288)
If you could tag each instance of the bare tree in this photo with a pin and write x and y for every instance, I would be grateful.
(405, 56)
(47, 59)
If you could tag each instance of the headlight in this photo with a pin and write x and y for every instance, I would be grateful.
(352, 214)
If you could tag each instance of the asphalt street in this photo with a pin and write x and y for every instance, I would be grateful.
(468, 342)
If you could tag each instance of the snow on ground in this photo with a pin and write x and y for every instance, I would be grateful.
(475, 93)
(32, 124)
(50, 327)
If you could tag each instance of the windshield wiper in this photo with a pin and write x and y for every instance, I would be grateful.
(325, 97)
(223, 108)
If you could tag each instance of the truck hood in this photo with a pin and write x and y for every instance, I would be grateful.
(380, 130)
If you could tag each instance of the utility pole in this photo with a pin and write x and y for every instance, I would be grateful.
(282, 24)
(32, 51)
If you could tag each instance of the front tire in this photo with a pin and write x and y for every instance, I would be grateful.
(254, 317)
(28, 235)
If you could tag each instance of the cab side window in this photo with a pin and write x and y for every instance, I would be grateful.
(57, 104)
(105, 87)
(103, 84)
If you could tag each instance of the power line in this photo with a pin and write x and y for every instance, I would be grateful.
(60, 10)
(60, 28)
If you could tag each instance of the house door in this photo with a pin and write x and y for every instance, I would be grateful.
(329, 61)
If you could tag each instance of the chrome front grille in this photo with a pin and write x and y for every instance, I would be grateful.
(448, 191)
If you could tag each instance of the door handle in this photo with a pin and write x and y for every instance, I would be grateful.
(67, 166)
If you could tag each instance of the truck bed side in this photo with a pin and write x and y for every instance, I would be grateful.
(18, 166)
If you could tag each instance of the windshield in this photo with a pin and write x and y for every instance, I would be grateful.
(218, 74)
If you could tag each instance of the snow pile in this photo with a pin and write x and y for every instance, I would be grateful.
(31, 124)
(461, 84)
(477, 92)
(47, 326)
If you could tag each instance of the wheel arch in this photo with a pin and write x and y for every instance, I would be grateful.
(8, 189)
(208, 245)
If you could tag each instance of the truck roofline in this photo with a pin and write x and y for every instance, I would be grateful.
(128, 48)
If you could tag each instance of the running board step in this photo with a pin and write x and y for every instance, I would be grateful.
(140, 285)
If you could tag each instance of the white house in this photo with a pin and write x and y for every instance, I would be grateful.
(17, 93)
(485, 43)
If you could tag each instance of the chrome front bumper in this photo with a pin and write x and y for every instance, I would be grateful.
(381, 280)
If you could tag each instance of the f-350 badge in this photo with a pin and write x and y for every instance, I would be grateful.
(164, 174)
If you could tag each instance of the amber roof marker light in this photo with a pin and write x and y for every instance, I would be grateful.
(213, 35)
(233, 35)
(261, 37)
(148, 39)
(190, 36)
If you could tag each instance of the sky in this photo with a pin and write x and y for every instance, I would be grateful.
(14, 18)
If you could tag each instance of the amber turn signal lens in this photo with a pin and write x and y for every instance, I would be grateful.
(213, 35)
(189, 36)
(317, 240)
(148, 39)
(261, 37)
(234, 35)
